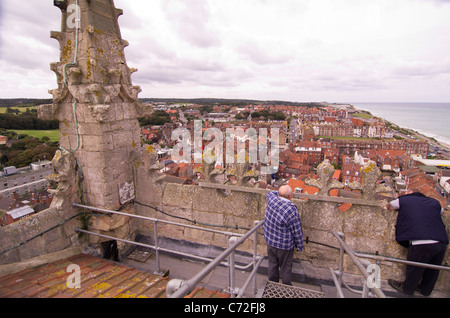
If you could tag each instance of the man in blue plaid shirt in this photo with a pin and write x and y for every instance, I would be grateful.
(283, 233)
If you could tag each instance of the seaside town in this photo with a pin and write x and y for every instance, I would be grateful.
(308, 134)
(348, 138)
(302, 192)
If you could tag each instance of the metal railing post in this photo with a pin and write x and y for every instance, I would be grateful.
(250, 278)
(255, 261)
(232, 266)
(155, 238)
(341, 261)
(357, 263)
(188, 286)
(340, 294)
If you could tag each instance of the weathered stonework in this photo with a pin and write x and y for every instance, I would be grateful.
(94, 83)
(97, 107)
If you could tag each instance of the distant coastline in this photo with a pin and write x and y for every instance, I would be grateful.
(372, 108)
(413, 131)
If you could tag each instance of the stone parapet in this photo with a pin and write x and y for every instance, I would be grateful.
(367, 225)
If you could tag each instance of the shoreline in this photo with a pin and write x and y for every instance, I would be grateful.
(432, 141)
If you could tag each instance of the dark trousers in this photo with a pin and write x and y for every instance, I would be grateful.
(422, 277)
(280, 265)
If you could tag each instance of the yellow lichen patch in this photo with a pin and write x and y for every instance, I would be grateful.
(66, 52)
(57, 156)
(60, 273)
(101, 286)
(368, 168)
(66, 123)
(150, 149)
(57, 288)
(198, 169)
(138, 164)
(89, 68)
(126, 295)
(52, 176)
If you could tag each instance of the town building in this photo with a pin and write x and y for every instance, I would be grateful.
(15, 215)
(26, 180)
(3, 140)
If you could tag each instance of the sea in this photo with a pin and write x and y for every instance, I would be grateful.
(429, 119)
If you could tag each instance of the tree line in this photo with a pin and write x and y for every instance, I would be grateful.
(157, 118)
(26, 121)
(25, 150)
(23, 102)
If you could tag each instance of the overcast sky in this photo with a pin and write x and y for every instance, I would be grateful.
(296, 50)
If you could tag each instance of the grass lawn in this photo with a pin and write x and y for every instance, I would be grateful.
(21, 109)
(52, 134)
(362, 115)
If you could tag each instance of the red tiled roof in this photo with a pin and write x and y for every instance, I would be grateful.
(295, 183)
(100, 278)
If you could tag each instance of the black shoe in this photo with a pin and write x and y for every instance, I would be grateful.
(419, 289)
(396, 285)
(399, 287)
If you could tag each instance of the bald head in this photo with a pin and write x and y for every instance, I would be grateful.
(286, 192)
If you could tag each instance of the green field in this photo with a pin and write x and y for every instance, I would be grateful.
(52, 134)
(362, 115)
(21, 109)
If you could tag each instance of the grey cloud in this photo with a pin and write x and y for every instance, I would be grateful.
(422, 69)
(25, 34)
(192, 22)
(263, 54)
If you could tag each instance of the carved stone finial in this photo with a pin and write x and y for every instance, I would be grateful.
(325, 182)
(64, 164)
(242, 173)
(371, 174)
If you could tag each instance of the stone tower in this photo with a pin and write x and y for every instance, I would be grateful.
(95, 102)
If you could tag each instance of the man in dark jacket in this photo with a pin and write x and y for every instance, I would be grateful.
(420, 229)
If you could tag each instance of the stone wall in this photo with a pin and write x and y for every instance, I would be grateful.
(52, 230)
(368, 227)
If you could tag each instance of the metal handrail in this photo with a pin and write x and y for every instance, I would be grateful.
(382, 258)
(184, 288)
(354, 256)
(235, 239)
(152, 219)
(155, 247)
(250, 278)
(345, 248)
